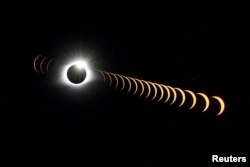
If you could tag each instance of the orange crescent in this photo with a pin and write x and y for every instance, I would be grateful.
(116, 80)
(222, 104)
(123, 82)
(174, 92)
(142, 87)
(162, 91)
(129, 82)
(110, 79)
(149, 88)
(166, 88)
(183, 96)
(154, 89)
(206, 100)
(136, 86)
(193, 96)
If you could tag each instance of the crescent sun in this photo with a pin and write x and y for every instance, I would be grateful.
(136, 86)
(206, 101)
(168, 92)
(34, 64)
(155, 89)
(183, 96)
(123, 82)
(41, 64)
(162, 91)
(222, 104)
(174, 92)
(193, 96)
(142, 87)
(49, 64)
(149, 88)
(116, 80)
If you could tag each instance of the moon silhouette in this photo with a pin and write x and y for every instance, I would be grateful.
(76, 75)
(222, 104)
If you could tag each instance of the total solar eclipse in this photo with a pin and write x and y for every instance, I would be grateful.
(76, 74)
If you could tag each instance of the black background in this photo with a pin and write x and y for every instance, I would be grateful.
(204, 49)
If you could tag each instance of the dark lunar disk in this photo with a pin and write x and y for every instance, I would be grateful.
(76, 75)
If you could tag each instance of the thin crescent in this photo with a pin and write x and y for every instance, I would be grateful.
(110, 79)
(206, 100)
(49, 64)
(136, 86)
(174, 92)
(193, 96)
(149, 88)
(162, 91)
(123, 82)
(154, 89)
(166, 88)
(116, 80)
(129, 82)
(183, 96)
(222, 104)
(41, 64)
(34, 64)
(102, 75)
(142, 87)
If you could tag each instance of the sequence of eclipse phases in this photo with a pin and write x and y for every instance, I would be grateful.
(77, 73)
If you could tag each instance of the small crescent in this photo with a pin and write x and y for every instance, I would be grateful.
(166, 88)
(41, 64)
(142, 87)
(174, 92)
(162, 91)
(49, 64)
(123, 82)
(222, 104)
(116, 80)
(183, 96)
(136, 86)
(110, 79)
(34, 64)
(155, 89)
(206, 100)
(129, 82)
(102, 75)
(193, 96)
(149, 88)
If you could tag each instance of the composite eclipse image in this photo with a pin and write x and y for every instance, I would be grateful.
(126, 85)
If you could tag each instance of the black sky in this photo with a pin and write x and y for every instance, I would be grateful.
(203, 49)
